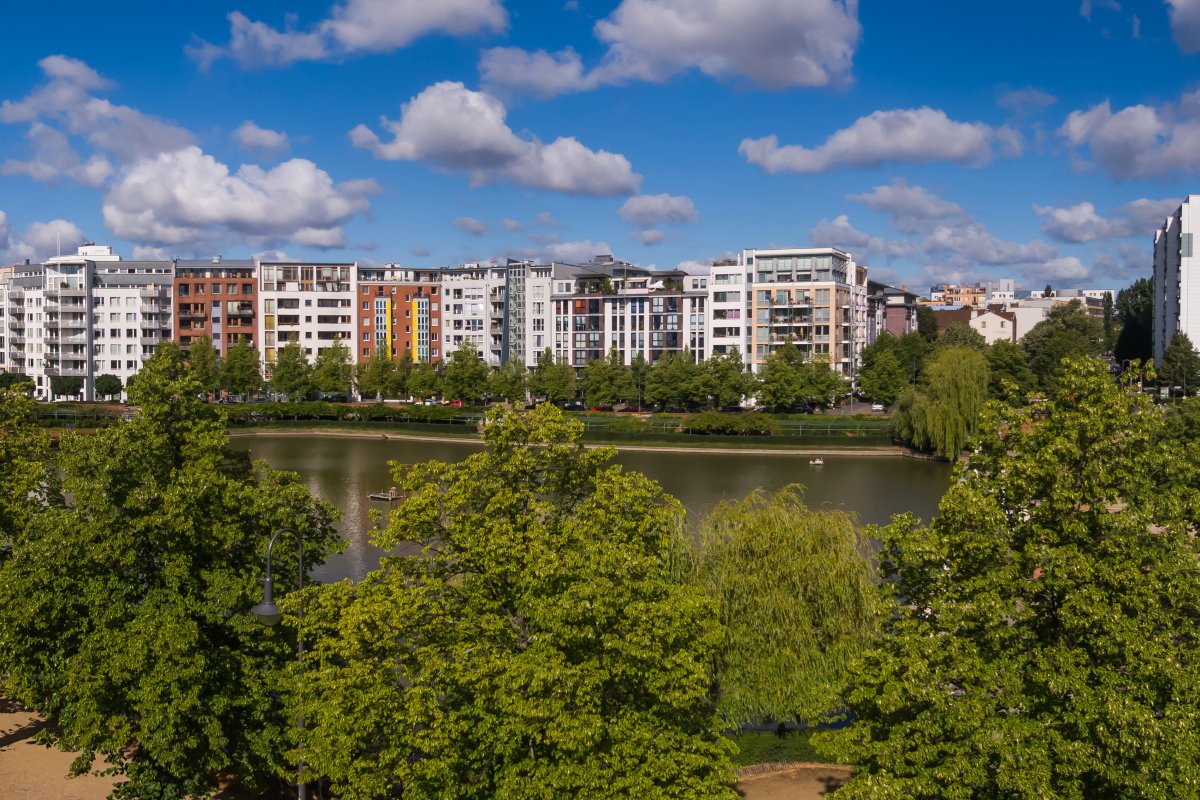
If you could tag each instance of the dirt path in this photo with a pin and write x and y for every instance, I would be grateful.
(32, 772)
(796, 782)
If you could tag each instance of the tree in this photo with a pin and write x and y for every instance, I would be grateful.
(1067, 332)
(241, 373)
(796, 592)
(11, 379)
(1180, 363)
(1045, 615)
(1009, 376)
(927, 324)
(675, 381)
(724, 379)
(883, 381)
(66, 385)
(552, 379)
(333, 372)
(1110, 325)
(107, 386)
(123, 607)
(779, 380)
(291, 376)
(1048, 291)
(639, 371)
(508, 381)
(27, 477)
(911, 351)
(424, 381)
(204, 362)
(606, 382)
(1135, 313)
(537, 643)
(820, 384)
(372, 378)
(961, 335)
(944, 414)
(466, 375)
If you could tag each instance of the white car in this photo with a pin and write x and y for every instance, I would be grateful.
(877, 406)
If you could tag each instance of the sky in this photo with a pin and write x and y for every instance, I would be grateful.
(1039, 140)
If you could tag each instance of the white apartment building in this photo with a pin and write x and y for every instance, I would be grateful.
(311, 303)
(815, 298)
(474, 309)
(1176, 288)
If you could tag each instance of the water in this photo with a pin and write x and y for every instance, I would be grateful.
(345, 470)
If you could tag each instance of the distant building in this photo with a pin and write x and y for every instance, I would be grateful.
(217, 299)
(399, 312)
(310, 303)
(1176, 289)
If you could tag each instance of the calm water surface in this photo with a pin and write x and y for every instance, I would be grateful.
(345, 471)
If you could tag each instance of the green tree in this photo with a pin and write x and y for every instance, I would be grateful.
(1180, 364)
(796, 592)
(962, 335)
(944, 414)
(911, 351)
(885, 379)
(26, 473)
(884, 341)
(241, 373)
(291, 375)
(11, 379)
(66, 385)
(552, 379)
(539, 645)
(1040, 631)
(123, 607)
(466, 375)
(374, 378)
(724, 379)
(205, 364)
(424, 381)
(508, 381)
(674, 381)
(333, 370)
(1135, 315)
(107, 386)
(1009, 376)
(1110, 323)
(1067, 332)
(1048, 291)
(639, 371)
(820, 384)
(606, 382)
(927, 324)
(779, 380)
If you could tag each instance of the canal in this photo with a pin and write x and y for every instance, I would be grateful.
(345, 470)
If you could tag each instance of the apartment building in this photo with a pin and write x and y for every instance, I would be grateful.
(216, 298)
(889, 309)
(814, 298)
(954, 294)
(399, 311)
(311, 303)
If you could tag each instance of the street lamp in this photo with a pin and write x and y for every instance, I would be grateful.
(268, 613)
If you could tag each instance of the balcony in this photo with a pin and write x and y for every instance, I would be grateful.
(155, 294)
(74, 371)
(154, 308)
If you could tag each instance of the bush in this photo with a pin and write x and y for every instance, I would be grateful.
(715, 423)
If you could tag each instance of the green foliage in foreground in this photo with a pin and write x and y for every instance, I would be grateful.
(537, 645)
(775, 747)
(1043, 628)
(747, 423)
(123, 607)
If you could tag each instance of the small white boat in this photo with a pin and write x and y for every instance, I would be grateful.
(816, 462)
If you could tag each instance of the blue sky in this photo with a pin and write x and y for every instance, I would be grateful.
(936, 141)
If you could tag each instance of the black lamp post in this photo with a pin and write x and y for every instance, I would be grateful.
(267, 613)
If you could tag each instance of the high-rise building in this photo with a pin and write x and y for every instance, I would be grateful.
(217, 298)
(1176, 289)
(400, 311)
(310, 303)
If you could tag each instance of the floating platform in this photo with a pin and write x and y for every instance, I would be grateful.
(391, 495)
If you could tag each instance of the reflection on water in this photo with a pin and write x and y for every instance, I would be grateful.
(344, 471)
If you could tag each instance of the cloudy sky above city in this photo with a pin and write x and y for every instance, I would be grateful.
(1042, 140)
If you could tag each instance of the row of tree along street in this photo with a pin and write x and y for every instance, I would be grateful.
(557, 630)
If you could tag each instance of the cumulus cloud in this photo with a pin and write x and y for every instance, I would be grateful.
(839, 233)
(475, 227)
(655, 209)
(456, 128)
(187, 196)
(568, 252)
(1145, 215)
(1080, 223)
(1139, 141)
(1122, 262)
(54, 159)
(1065, 269)
(775, 44)
(1185, 24)
(912, 209)
(913, 136)
(352, 27)
(546, 218)
(648, 236)
(266, 141)
(973, 243)
(510, 224)
(40, 240)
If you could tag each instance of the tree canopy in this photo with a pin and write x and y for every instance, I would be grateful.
(1180, 363)
(1068, 331)
(291, 374)
(332, 371)
(204, 362)
(466, 375)
(241, 372)
(1135, 314)
(1040, 633)
(943, 414)
(537, 644)
(552, 379)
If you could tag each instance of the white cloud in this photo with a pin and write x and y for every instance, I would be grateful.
(648, 236)
(54, 159)
(775, 44)
(655, 209)
(459, 129)
(912, 209)
(1139, 141)
(1080, 223)
(1026, 100)
(569, 252)
(475, 227)
(510, 224)
(841, 234)
(266, 141)
(1067, 268)
(547, 219)
(914, 136)
(187, 196)
(1185, 24)
(41, 240)
(352, 27)
(974, 244)
(1123, 262)
(420, 251)
(1146, 215)
(144, 253)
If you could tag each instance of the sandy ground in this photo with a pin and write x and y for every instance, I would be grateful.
(30, 771)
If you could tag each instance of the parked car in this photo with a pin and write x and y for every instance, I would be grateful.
(601, 408)
(455, 403)
(574, 405)
(877, 406)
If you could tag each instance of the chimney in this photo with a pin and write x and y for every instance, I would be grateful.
(217, 259)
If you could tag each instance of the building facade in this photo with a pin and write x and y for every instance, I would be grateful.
(218, 299)
(310, 303)
(399, 314)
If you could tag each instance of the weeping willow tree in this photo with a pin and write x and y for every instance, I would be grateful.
(796, 594)
(943, 414)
